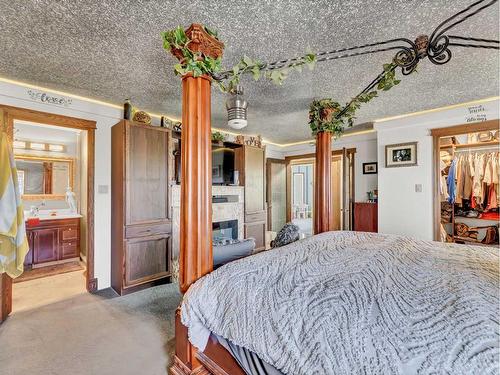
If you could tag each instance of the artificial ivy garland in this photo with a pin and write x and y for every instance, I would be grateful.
(199, 64)
(324, 115)
(329, 116)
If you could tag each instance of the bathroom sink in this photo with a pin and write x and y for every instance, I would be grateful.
(52, 214)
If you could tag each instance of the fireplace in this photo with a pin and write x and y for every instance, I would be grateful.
(224, 232)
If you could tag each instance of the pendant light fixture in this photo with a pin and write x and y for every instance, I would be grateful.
(236, 109)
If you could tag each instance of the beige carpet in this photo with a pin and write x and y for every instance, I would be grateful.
(92, 334)
(31, 294)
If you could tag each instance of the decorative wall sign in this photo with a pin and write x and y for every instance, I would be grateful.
(46, 98)
(476, 113)
(370, 168)
(401, 155)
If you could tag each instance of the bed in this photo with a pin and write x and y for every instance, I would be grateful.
(351, 302)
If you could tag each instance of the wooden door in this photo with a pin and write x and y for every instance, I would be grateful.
(276, 193)
(45, 245)
(347, 189)
(336, 191)
(146, 259)
(146, 174)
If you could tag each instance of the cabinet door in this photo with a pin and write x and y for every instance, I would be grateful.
(45, 243)
(258, 232)
(28, 260)
(146, 259)
(147, 174)
(254, 179)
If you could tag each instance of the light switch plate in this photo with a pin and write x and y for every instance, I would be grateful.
(102, 189)
(418, 188)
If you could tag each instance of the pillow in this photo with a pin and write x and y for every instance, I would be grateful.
(288, 234)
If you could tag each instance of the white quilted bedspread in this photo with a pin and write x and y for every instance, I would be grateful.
(357, 303)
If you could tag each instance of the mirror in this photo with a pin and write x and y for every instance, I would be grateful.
(44, 177)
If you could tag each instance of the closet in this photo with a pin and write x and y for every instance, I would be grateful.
(468, 186)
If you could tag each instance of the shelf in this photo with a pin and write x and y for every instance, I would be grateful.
(470, 145)
(468, 240)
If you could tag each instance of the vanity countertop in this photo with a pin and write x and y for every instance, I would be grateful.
(58, 216)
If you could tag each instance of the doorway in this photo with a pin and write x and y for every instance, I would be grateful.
(55, 157)
(466, 175)
(300, 180)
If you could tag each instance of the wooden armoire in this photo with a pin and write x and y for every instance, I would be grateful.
(250, 162)
(140, 208)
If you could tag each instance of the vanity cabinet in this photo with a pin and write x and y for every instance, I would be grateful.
(53, 241)
(141, 227)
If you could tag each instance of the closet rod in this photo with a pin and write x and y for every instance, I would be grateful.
(485, 149)
(470, 145)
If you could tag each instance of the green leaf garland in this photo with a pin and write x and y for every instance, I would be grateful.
(199, 64)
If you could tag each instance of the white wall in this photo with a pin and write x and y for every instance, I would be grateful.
(105, 116)
(401, 210)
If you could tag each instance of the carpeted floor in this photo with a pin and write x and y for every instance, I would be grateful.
(93, 335)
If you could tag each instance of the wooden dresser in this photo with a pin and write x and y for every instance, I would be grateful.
(53, 241)
(140, 207)
(365, 217)
(250, 162)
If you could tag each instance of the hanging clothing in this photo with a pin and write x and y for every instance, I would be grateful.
(459, 181)
(468, 173)
(451, 181)
(477, 180)
(442, 183)
(13, 242)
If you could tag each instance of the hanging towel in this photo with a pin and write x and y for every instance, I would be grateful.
(13, 242)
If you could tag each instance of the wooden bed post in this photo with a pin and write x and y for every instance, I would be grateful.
(323, 215)
(195, 259)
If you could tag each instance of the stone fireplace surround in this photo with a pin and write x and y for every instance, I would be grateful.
(231, 210)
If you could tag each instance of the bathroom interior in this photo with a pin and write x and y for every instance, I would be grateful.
(52, 174)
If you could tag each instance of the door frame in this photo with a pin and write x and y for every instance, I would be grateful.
(448, 132)
(7, 116)
(289, 160)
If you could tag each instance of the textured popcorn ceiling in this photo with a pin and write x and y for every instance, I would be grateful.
(111, 50)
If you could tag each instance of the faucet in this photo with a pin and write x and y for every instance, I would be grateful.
(35, 210)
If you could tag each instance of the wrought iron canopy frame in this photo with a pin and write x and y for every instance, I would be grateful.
(409, 53)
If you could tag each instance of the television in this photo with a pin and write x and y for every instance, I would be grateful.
(222, 165)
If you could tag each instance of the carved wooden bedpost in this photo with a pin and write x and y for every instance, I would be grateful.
(195, 259)
(323, 215)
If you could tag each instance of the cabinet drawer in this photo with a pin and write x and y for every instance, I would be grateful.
(69, 233)
(255, 216)
(133, 231)
(69, 249)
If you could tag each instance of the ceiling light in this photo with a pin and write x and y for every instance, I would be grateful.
(237, 109)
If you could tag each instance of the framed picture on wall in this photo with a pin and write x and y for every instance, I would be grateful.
(401, 155)
(370, 168)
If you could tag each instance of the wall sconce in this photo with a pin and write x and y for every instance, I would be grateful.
(19, 144)
(39, 146)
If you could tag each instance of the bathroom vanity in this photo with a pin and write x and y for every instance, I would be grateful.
(52, 240)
